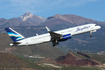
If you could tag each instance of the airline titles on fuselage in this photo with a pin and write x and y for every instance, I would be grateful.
(80, 29)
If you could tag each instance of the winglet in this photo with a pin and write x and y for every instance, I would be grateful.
(36, 34)
(47, 28)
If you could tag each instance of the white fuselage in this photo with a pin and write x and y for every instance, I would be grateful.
(47, 38)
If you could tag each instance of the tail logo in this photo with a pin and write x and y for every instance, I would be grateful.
(18, 37)
(15, 36)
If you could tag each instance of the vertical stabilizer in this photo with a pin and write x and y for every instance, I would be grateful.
(15, 36)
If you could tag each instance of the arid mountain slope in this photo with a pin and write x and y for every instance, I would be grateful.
(45, 50)
(71, 59)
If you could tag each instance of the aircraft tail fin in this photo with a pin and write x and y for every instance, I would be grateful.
(15, 36)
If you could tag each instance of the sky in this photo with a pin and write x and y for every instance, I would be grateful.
(92, 9)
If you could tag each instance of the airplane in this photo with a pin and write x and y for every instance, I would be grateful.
(54, 37)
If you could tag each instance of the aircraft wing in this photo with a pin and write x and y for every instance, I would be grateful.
(54, 36)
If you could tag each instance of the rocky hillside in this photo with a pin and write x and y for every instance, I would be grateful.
(71, 59)
(67, 20)
(12, 61)
(27, 19)
(44, 50)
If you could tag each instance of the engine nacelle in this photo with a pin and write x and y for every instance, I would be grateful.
(66, 36)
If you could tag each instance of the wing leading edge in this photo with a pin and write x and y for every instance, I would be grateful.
(55, 37)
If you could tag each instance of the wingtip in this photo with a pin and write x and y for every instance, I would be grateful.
(47, 28)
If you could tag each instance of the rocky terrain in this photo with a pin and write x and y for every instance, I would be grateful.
(44, 50)
(63, 21)
(83, 54)
(13, 61)
(71, 59)
(26, 19)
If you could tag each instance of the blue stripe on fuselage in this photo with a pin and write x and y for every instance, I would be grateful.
(67, 36)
